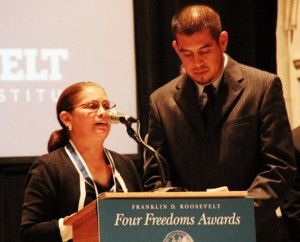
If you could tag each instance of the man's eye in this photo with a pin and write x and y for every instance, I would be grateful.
(187, 54)
(204, 51)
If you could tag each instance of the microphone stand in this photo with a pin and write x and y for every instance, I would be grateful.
(159, 158)
(161, 162)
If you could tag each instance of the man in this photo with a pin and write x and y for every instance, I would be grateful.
(243, 143)
(291, 205)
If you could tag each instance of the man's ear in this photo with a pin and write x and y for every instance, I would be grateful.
(223, 40)
(65, 118)
(175, 46)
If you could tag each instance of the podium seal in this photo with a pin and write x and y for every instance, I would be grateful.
(178, 236)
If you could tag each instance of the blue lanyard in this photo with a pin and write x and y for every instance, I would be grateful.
(78, 161)
(81, 166)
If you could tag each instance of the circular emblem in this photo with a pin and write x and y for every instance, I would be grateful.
(178, 236)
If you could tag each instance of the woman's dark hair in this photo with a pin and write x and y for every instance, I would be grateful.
(195, 18)
(66, 102)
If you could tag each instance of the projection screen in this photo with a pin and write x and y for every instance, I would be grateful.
(47, 45)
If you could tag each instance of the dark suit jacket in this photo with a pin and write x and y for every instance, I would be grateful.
(53, 192)
(247, 146)
(291, 205)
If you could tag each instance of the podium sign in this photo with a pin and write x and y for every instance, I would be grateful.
(179, 219)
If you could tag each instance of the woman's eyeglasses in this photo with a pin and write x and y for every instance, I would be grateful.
(94, 105)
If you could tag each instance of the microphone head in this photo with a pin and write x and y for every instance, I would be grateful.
(112, 116)
(115, 117)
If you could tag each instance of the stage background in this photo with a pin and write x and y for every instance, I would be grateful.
(251, 25)
(47, 46)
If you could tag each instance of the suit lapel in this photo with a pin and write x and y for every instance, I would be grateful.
(186, 98)
(231, 88)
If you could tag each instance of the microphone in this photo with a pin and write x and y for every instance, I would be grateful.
(115, 117)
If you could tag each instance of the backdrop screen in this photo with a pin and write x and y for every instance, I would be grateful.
(47, 45)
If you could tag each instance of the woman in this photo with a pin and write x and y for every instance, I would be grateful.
(77, 168)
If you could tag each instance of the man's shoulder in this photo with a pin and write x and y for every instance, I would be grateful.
(248, 75)
(170, 86)
(245, 69)
(256, 71)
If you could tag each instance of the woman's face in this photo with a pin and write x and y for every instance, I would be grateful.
(88, 119)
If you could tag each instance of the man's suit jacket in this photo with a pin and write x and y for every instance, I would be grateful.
(291, 205)
(247, 146)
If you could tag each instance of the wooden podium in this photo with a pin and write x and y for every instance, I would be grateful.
(107, 213)
(85, 224)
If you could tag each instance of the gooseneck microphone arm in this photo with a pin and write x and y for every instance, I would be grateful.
(159, 158)
(115, 117)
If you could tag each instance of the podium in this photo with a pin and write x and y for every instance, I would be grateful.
(166, 217)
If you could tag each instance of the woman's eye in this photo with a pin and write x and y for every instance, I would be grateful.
(106, 106)
(93, 106)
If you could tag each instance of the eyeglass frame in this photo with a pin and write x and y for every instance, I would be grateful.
(86, 105)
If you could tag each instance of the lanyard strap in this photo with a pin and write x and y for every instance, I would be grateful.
(83, 170)
(80, 165)
(116, 175)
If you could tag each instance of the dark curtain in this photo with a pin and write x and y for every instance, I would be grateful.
(12, 175)
(251, 25)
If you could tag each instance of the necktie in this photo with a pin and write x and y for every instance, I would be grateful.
(208, 106)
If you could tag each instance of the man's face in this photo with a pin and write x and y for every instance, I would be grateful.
(201, 55)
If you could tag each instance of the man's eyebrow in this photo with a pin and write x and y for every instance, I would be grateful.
(183, 50)
(202, 47)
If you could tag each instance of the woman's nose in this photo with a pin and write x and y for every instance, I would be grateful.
(101, 111)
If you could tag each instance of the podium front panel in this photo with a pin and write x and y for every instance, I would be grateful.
(174, 220)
